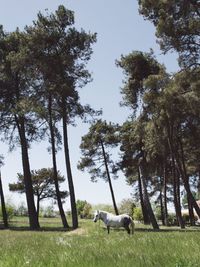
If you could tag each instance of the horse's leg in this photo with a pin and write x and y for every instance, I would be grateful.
(108, 228)
(126, 223)
(127, 229)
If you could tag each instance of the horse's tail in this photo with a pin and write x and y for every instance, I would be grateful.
(132, 225)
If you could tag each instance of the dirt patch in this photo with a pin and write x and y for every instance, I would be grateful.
(78, 231)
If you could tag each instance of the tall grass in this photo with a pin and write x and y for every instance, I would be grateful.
(91, 246)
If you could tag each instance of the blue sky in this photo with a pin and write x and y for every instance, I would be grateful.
(120, 30)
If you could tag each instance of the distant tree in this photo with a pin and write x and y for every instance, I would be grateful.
(80, 204)
(43, 185)
(127, 206)
(101, 135)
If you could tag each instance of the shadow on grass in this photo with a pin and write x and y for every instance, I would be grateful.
(161, 230)
(41, 229)
(167, 230)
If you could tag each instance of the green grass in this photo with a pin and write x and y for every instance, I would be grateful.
(91, 246)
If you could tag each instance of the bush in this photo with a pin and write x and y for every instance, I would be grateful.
(10, 210)
(172, 219)
(21, 210)
(186, 217)
(48, 212)
(127, 206)
(86, 213)
(137, 215)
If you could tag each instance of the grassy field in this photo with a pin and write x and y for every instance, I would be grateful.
(91, 246)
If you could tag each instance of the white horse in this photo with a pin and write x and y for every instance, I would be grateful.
(111, 220)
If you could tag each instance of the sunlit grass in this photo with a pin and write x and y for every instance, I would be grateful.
(91, 246)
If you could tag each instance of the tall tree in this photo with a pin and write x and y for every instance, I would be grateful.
(43, 185)
(95, 158)
(17, 110)
(137, 67)
(61, 55)
(177, 27)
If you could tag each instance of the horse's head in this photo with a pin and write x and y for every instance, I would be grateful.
(96, 216)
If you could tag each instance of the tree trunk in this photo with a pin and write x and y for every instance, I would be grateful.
(144, 175)
(69, 172)
(38, 206)
(33, 219)
(189, 200)
(165, 194)
(109, 179)
(3, 206)
(162, 207)
(55, 172)
(144, 209)
(170, 133)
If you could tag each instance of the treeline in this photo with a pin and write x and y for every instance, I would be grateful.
(41, 69)
(159, 143)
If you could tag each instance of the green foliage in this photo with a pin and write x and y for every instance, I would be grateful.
(105, 207)
(172, 220)
(90, 246)
(84, 209)
(137, 214)
(43, 184)
(21, 210)
(186, 217)
(137, 66)
(10, 210)
(127, 206)
(101, 136)
(177, 27)
(48, 212)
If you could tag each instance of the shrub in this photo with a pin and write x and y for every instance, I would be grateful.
(127, 206)
(10, 210)
(86, 213)
(186, 217)
(48, 212)
(21, 210)
(137, 215)
(172, 219)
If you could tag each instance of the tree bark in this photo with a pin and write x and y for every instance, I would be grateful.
(162, 207)
(189, 200)
(53, 150)
(33, 219)
(109, 179)
(3, 206)
(144, 209)
(165, 194)
(144, 175)
(69, 172)
(38, 206)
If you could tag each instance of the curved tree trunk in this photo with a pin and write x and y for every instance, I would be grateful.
(69, 172)
(144, 175)
(109, 180)
(3, 206)
(55, 171)
(33, 219)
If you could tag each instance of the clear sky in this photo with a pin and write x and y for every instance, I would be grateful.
(120, 30)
